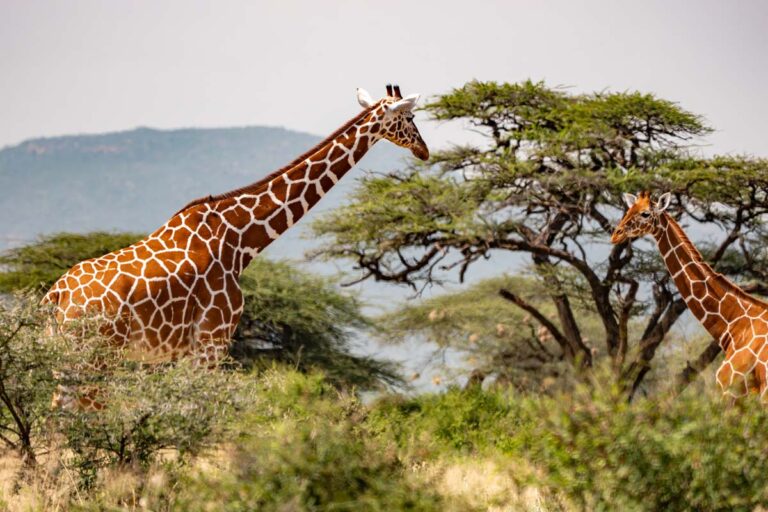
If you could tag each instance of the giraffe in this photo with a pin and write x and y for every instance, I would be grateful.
(736, 319)
(175, 293)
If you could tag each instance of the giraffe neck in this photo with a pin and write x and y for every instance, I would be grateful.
(712, 299)
(257, 215)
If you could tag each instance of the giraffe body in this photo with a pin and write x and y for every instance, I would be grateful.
(176, 292)
(736, 319)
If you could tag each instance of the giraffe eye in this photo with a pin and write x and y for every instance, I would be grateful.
(645, 215)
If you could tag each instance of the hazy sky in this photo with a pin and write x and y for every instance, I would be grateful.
(91, 66)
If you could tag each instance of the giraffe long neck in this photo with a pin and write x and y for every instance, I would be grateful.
(258, 215)
(705, 291)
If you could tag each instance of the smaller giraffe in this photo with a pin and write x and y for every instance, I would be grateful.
(736, 319)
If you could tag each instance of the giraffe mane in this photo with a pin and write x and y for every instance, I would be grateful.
(696, 256)
(255, 185)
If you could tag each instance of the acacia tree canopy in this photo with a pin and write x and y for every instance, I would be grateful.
(546, 182)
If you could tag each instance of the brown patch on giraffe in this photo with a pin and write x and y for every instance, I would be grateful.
(296, 210)
(710, 303)
(248, 202)
(311, 195)
(326, 183)
(215, 276)
(361, 149)
(316, 170)
(337, 153)
(256, 236)
(339, 168)
(715, 325)
(742, 360)
(699, 289)
(683, 285)
(695, 308)
(266, 205)
(280, 221)
(724, 375)
(153, 269)
(347, 139)
(322, 154)
(232, 216)
(741, 326)
(297, 190)
(754, 310)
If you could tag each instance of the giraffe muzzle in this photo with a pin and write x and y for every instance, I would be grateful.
(420, 151)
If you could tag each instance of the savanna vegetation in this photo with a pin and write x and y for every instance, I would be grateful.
(573, 394)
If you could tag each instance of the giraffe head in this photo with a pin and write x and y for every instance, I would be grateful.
(396, 119)
(641, 218)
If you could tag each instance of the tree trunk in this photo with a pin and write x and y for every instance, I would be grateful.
(692, 370)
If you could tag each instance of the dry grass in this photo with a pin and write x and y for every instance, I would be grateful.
(482, 483)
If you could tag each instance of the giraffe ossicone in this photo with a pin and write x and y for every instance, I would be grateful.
(738, 321)
(175, 293)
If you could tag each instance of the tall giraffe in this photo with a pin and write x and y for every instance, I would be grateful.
(736, 319)
(176, 292)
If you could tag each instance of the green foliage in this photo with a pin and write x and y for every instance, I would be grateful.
(150, 409)
(592, 448)
(38, 265)
(297, 443)
(467, 421)
(27, 361)
(300, 448)
(693, 453)
(294, 317)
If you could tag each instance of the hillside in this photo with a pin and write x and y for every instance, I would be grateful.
(134, 180)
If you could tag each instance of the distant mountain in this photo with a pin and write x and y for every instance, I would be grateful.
(134, 180)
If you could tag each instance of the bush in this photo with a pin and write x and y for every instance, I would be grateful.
(692, 453)
(458, 421)
(28, 359)
(300, 448)
(592, 449)
(151, 409)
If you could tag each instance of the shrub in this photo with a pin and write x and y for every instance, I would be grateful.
(28, 359)
(691, 453)
(150, 409)
(463, 421)
(301, 448)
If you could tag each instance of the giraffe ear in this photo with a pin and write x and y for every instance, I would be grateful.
(663, 202)
(630, 199)
(364, 98)
(406, 103)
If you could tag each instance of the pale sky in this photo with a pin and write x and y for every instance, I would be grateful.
(92, 66)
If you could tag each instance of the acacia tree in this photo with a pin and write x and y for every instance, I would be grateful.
(546, 182)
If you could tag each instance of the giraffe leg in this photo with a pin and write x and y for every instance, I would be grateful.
(212, 343)
(211, 352)
(215, 327)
